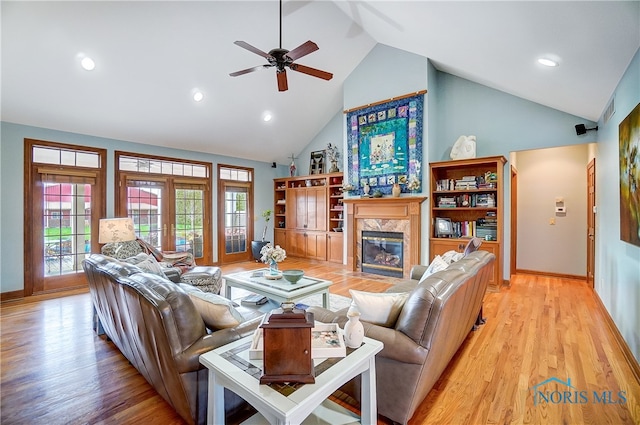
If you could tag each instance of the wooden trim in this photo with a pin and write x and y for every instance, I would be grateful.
(380, 102)
(624, 347)
(389, 208)
(513, 255)
(560, 275)
(12, 295)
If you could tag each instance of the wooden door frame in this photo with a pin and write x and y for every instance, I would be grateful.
(33, 242)
(591, 219)
(513, 252)
(222, 184)
(121, 176)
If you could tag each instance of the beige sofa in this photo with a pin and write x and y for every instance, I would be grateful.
(157, 327)
(436, 318)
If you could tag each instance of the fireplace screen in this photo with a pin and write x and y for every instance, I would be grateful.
(382, 253)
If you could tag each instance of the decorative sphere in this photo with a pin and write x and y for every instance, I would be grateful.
(293, 276)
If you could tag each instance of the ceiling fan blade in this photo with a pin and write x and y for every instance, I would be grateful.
(250, 48)
(282, 80)
(302, 50)
(248, 70)
(311, 71)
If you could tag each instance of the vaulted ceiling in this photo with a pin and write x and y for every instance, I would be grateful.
(151, 56)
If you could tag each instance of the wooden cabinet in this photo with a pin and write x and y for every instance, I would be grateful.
(302, 243)
(335, 247)
(467, 195)
(441, 245)
(280, 237)
(307, 209)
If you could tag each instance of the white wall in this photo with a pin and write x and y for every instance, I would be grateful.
(543, 175)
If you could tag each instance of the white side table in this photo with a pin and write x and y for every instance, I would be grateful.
(229, 367)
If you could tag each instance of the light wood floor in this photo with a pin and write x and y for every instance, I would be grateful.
(55, 370)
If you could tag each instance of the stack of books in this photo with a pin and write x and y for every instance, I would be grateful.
(466, 183)
(447, 202)
(487, 228)
(486, 200)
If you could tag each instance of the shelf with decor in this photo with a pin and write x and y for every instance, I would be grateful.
(308, 212)
(467, 201)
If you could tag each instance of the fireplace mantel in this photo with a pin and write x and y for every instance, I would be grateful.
(381, 211)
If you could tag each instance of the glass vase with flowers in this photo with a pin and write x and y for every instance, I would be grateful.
(272, 255)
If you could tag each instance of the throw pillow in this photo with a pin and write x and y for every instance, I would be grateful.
(216, 311)
(147, 263)
(436, 265)
(379, 308)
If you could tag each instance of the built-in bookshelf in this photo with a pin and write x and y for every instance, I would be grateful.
(467, 197)
(308, 213)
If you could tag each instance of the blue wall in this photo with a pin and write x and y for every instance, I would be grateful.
(617, 277)
(502, 124)
(12, 187)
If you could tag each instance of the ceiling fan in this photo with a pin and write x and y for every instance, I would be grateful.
(282, 59)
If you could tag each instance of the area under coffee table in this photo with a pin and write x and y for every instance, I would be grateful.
(279, 290)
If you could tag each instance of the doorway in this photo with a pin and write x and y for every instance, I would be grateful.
(64, 193)
(169, 201)
(549, 198)
(235, 191)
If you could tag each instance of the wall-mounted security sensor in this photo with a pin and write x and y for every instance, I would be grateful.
(582, 129)
(273, 165)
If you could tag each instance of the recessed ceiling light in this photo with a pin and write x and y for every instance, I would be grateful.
(547, 62)
(267, 117)
(88, 64)
(198, 96)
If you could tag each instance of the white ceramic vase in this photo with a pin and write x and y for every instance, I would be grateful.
(353, 330)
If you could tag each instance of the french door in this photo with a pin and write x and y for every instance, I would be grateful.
(235, 226)
(64, 195)
(172, 213)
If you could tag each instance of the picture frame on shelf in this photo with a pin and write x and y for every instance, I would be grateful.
(443, 227)
(317, 162)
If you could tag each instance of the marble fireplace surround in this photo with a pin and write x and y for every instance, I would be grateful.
(388, 214)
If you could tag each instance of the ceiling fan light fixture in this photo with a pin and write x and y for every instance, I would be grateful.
(548, 62)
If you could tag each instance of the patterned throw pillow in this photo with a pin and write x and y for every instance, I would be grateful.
(147, 263)
(379, 308)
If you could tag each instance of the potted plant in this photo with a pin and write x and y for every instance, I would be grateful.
(256, 245)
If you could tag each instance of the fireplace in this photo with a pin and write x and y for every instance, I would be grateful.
(382, 253)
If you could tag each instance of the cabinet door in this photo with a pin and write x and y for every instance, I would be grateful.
(280, 238)
(316, 246)
(335, 247)
(316, 209)
(440, 246)
(296, 243)
(296, 208)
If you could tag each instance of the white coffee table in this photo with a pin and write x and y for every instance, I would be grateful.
(230, 367)
(279, 290)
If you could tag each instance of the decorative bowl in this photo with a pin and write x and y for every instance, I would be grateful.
(293, 276)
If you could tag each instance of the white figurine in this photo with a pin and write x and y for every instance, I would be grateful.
(464, 147)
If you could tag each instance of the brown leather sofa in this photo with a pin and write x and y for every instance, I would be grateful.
(436, 318)
(158, 329)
